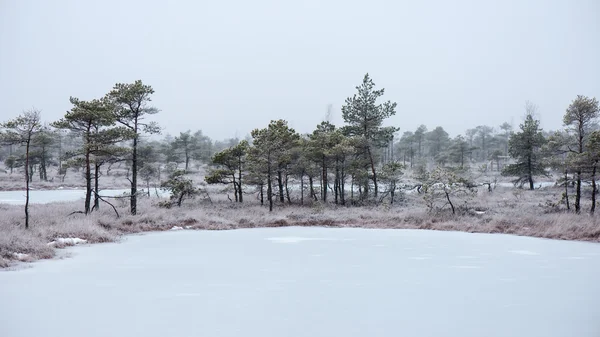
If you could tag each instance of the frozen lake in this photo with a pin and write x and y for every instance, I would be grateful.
(309, 282)
(47, 196)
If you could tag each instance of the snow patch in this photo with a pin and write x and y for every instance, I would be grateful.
(66, 242)
(20, 256)
(176, 228)
(188, 227)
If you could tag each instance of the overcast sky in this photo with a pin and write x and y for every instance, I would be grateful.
(226, 67)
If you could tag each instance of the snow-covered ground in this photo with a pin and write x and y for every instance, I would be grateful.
(309, 282)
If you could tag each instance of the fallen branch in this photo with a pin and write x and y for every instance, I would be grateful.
(111, 205)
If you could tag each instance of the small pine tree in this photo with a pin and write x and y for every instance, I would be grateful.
(526, 147)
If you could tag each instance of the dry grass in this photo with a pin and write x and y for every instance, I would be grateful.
(502, 211)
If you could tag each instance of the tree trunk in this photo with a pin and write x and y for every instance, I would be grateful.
(312, 188)
(373, 170)
(342, 187)
(567, 190)
(336, 186)
(134, 163)
(87, 174)
(96, 178)
(352, 189)
(324, 180)
(27, 182)
(235, 189)
(187, 160)
(593, 208)
(530, 173)
(287, 190)
(578, 192)
(302, 189)
(280, 183)
(269, 186)
(450, 202)
(240, 178)
(262, 194)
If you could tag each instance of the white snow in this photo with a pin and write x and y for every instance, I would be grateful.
(176, 228)
(66, 242)
(20, 256)
(245, 283)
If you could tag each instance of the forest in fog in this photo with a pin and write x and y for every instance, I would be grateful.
(362, 162)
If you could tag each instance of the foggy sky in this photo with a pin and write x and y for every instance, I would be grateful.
(227, 67)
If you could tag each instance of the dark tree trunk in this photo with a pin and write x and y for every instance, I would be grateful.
(567, 190)
(96, 178)
(578, 192)
(302, 189)
(280, 183)
(240, 179)
(134, 172)
(343, 187)
(594, 189)
(450, 202)
(530, 173)
(235, 189)
(27, 182)
(187, 159)
(352, 189)
(287, 190)
(324, 180)
(262, 194)
(312, 188)
(269, 186)
(336, 186)
(87, 173)
(373, 170)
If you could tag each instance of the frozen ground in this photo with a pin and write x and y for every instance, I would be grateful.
(309, 282)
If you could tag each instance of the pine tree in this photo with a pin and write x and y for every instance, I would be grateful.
(131, 107)
(22, 131)
(364, 118)
(579, 118)
(525, 147)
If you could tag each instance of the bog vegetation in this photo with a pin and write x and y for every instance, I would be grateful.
(363, 164)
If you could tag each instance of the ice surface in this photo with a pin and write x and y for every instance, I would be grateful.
(48, 196)
(309, 282)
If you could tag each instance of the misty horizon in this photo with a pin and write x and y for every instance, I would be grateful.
(229, 68)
